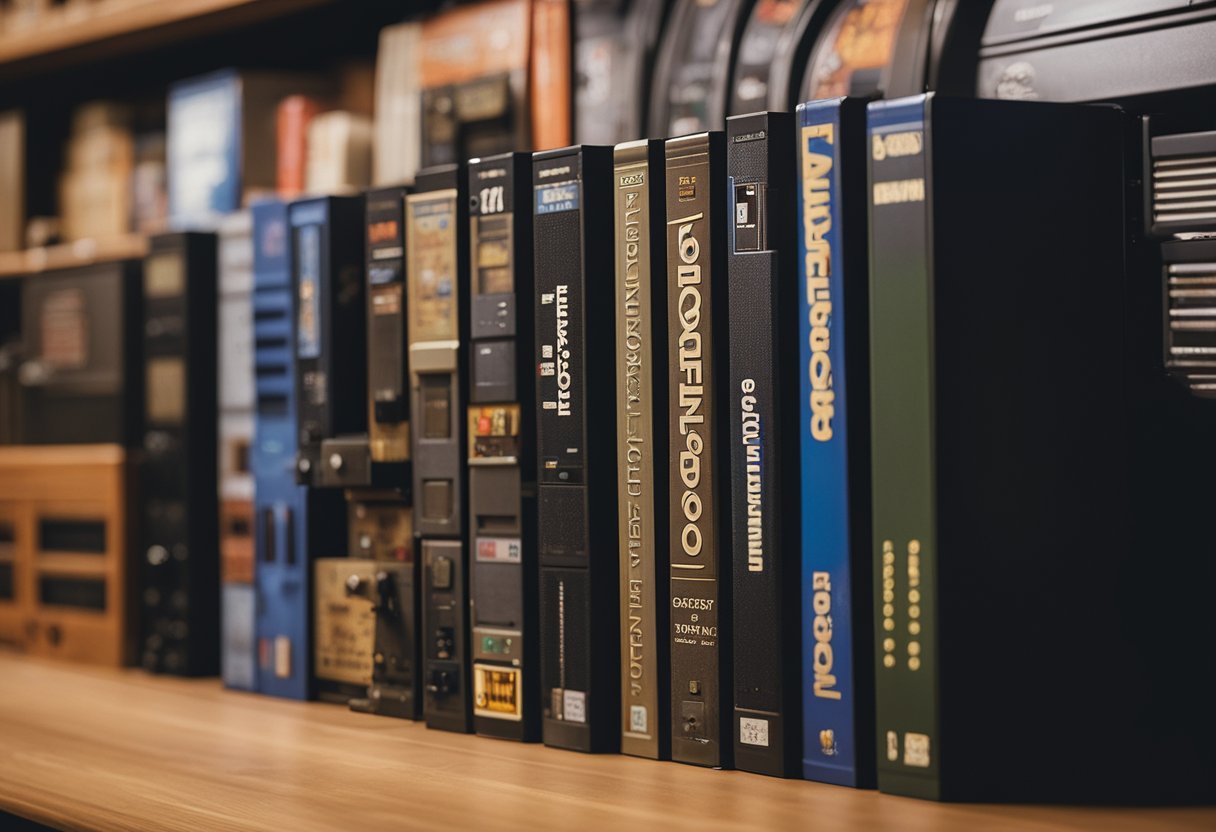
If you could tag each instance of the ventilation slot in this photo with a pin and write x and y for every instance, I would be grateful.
(83, 536)
(1184, 190)
(1191, 340)
(81, 593)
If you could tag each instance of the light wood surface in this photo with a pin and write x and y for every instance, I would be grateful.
(91, 748)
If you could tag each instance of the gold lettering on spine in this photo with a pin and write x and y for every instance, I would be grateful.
(691, 387)
(635, 465)
(821, 629)
(632, 345)
(816, 223)
(888, 603)
(914, 604)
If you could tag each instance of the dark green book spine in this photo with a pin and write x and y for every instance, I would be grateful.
(902, 429)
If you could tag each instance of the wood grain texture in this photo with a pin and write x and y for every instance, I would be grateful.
(92, 748)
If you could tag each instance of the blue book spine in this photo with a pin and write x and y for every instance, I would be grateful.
(830, 746)
(280, 505)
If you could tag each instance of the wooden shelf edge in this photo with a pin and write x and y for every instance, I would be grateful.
(118, 20)
(68, 455)
(68, 255)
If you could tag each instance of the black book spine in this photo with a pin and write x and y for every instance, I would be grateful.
(180, 563)
(576, 479)
(387, 381)
(436, 218)
(503, 577)
(331, 325)
(764, 488)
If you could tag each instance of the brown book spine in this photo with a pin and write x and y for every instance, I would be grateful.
(552, 89)
(294, 114)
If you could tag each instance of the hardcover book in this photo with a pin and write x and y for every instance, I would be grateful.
(762, 495)
(575, 427)
(834, 443)
(698, 468)
(641, 437)
(1016, 495)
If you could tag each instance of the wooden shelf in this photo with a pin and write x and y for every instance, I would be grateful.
(105, 749)
(67, 255)
(92, 30)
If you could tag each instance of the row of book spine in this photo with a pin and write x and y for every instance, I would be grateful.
(736, 541)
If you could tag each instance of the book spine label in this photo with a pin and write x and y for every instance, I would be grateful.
(692, 177)
(904, 512)
(636, 464)
(830, 751)
(757, 146)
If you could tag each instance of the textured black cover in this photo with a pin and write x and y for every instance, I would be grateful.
(764, 482)
(576, 472)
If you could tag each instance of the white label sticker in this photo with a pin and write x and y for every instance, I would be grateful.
(499, 549)
(753, 731)
(892, 746)
(916, 750)
(574, 705)
(638, 721)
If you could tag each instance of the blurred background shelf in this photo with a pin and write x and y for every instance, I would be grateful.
(81, 31)
(67, 255)
(250, 762)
